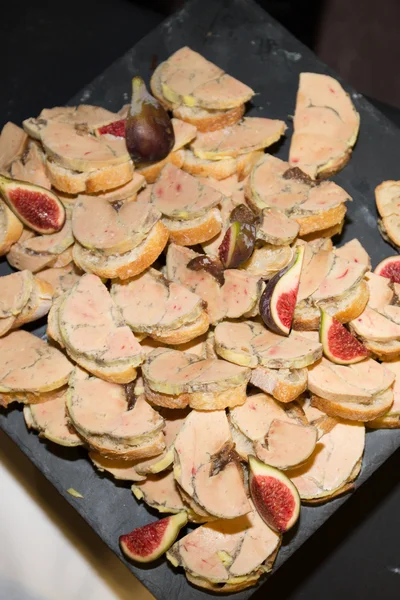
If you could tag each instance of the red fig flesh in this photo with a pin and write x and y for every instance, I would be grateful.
(339, 345)
(151, 541)
(116, 128)
(389, 268)
(35, 206)
(275, 497)
(149, 133)
(278, 300)
(237, 245)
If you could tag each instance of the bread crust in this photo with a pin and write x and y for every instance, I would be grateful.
(137, 260)
(99, 180)
(195, 231)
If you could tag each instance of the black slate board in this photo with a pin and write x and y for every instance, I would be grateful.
(241, 38)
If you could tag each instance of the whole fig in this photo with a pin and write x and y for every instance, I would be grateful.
(149, 133)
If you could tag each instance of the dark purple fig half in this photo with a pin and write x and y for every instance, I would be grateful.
(238, 244)
(389, 268)
(279, 298)
(213, 266)
(149, 133)
(151, 541)
(38, 208)
(275, 497)
(116, 128)
(339, 345)
(243, 214)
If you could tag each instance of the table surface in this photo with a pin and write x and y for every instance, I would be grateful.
(355, 552)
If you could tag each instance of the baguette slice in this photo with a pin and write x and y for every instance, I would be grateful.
(107, 178)
(354, 411)
(93, 332)
(123, 266)
(284, 385)
(209, 120)
(325, 125)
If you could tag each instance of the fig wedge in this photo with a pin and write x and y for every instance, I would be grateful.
(389, 268)
(338, 344)
(275, 497)
(38, 208)
(278, 300)
(238, 244)
(149, 133)
(213, 266)
(148, 543)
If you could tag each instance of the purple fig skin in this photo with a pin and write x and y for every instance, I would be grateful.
(238, 244)
(266, 297)
(149, 133)
(211, 265)
(243, 214)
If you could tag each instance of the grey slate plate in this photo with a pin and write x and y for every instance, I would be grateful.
(241, 38)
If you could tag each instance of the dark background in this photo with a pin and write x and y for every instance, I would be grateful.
(51, 50)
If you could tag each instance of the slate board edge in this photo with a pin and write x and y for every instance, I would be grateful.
(361, 102)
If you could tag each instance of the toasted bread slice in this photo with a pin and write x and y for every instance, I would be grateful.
(90, 182)
(185, 333)
(331, 219)
(126, 265)
(355, 411)
(220, 169)
(307, 316)
(209, 120)
(10, 228)
(194, 231)
(320, 240)
(283, 384)
(325, 124)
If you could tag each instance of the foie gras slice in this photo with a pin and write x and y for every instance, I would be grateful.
(280, 435)
(178, 195)
(238, 296)
(13, 142)
(205, 468)
(354, 251)
(100, 409)
(188, 78)
(30, 366)
(49, 418)
(83, 114)
(91, 327)
(99, 225)
(274, 184)
(75, 149)
(250, 343)
(325, 124)
(252, 133)
(160, 492)
(36, 252)
(151, 304)
(227, 551)
(172, 372)
(61, 279)
(354, 383)
(391, 419)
